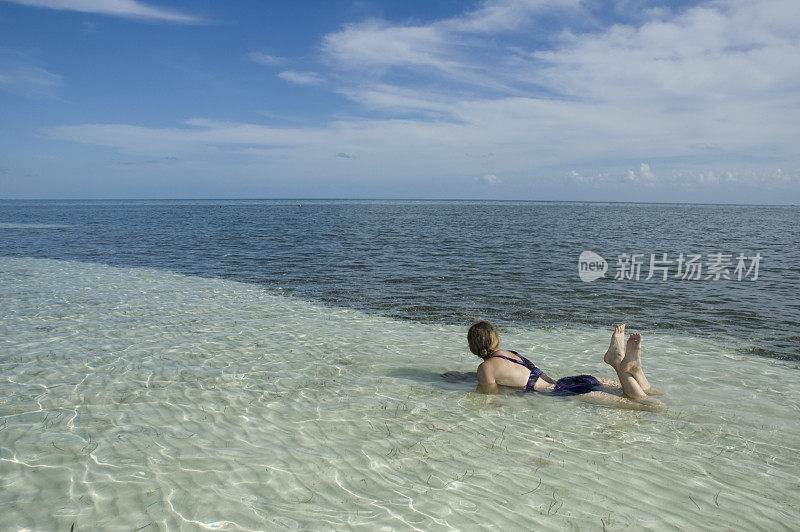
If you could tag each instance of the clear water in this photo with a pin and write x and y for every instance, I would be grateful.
(275, 365)
(448, 262)
(135, 398)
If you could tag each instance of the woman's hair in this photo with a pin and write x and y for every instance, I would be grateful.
(481, 338)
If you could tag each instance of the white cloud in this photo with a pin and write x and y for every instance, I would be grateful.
(18, 75)
(461, 49)
(397, 99)
(503, 15)
(711, 177)
(780, 176)
(708, 96)
(645, 175)
(301, 78)
(525, 136)
(119, 8)
(578, 178)
(489, 179)
(376, 43)
(697, 57)
(418, 151)
(686, 63)
(265, 59)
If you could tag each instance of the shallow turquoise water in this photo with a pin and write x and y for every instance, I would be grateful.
(141, 398)
(514, 263)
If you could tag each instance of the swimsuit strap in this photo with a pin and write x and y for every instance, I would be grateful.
(509, 359)
(535, 372)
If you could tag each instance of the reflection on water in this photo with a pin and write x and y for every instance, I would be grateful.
(134, 397)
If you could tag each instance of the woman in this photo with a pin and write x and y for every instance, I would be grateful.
(508, 368)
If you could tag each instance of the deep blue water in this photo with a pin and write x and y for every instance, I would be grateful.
(515, 263)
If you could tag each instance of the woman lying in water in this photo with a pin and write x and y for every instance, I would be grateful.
(508, 368)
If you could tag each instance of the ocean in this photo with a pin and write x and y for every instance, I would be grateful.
(275, 364)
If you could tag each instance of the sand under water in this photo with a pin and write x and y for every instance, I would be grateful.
(143, 399)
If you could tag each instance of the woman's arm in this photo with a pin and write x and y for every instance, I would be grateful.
(486, 382)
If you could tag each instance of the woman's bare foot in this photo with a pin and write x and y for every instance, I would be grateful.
(614, 355)
(632, 363)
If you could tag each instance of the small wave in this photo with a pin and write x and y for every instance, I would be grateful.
(769, 353)
(14, 225)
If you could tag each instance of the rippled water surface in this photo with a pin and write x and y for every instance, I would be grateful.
(136, 398)
(448, 262)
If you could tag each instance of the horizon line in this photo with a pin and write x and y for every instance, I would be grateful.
(409, 199)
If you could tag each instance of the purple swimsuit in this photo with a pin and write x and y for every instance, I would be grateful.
(573, 385)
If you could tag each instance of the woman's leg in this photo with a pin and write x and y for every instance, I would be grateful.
(632, 363)
(614, 397)
(614, 357)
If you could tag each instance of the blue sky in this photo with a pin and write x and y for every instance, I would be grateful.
(499, 99)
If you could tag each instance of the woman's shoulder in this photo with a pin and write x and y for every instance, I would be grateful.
(487, 364)
(497, 360)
